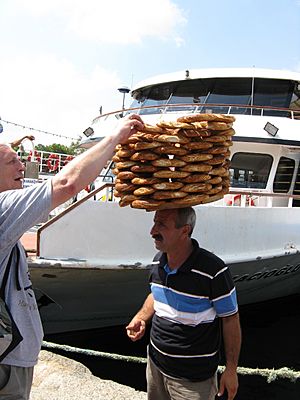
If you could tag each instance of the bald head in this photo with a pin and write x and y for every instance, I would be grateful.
(3, 146)
(11, 169)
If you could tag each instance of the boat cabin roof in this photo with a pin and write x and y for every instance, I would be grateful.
(219, 73)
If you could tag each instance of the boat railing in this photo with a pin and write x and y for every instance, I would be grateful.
(257, 198)
(192, 108)
(49, 163)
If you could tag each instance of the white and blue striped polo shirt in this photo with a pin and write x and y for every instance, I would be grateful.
(186, 332)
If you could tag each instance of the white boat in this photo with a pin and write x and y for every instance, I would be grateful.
(93, 259)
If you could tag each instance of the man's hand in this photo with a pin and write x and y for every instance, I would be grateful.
(127, 126)
(136, 329)
(229, 381)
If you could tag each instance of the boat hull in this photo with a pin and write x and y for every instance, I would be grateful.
(76, 299)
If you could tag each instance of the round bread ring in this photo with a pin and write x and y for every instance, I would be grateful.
(136, 137)
(146, 145)
(127, 200)
(190, 200)
(196, 187)
(153, 129)
(226, 164)
(226, 174)
(219, 126)
(198, 145)
(227, 154)
(125, 164)
(149, 137)
(207, 117)
(145, 181)
(115, 158)
(149, 205)
(124, 187)
(143, 167)
(144, 156)
(167, 185)
(168, 162)
(221, 171)
(200, 125)
(168, 194)
(172, 150)
(197, 157)
(217, 150)
(117, 194)
(229, 132)
(216, 160)
(196, 178)
(115, 171)
(196, 133)
(169, 174)
(196, 168)
(172, 139)
(215, 190)
(225, 182)
(215, 180)
(227, 143)
(125, 153)
(126, 175)
(215, 139)
(174, 125)
(143, 191)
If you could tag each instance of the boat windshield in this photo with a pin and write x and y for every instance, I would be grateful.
(229, 95)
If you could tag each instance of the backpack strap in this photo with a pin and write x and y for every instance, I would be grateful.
(7, 268)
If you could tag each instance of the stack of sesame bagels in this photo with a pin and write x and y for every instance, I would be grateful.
(175, 164)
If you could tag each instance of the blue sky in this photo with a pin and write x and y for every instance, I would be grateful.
(62, 59)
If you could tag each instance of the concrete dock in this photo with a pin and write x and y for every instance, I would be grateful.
(60, 378)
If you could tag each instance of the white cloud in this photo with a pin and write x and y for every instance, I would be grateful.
(39, 89)
(53, 95)
(114, 21)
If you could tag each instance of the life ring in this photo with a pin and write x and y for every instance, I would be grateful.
(53, 162)
(68, 159)
(36, 156)
(235, 200)
(89, 188)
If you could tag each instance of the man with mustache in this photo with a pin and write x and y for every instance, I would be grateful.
(192, 301)
(20, 209)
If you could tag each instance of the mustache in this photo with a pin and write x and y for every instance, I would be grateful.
(157, 237)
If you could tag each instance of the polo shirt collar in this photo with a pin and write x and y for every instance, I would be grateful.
(188, 264)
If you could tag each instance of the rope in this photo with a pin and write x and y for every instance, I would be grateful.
(37, 130)
(270, 374)
(93, 352)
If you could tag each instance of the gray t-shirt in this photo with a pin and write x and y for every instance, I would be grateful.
(19, 211)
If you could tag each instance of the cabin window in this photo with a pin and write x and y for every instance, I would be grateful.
(284, 175)
(296, 192)
(272, 93)
(250, 170)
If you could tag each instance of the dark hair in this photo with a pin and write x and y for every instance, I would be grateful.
(186, 216)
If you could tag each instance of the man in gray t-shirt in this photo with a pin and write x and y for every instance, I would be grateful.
(19, 211)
